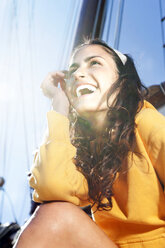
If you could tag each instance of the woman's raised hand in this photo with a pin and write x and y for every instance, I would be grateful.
(50, 88)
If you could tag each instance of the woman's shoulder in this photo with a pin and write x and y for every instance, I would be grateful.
(149, 115)
(149, 121)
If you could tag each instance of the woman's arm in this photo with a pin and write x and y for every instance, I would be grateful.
(54, 175)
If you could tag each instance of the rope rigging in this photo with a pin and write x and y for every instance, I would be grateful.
(109, 17)
(118, 24)
(162, 18)
(73, 15)
(6, 136)
(32, 69)
(96, 19)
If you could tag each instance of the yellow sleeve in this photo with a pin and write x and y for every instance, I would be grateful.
(151, 127)
(54, 176)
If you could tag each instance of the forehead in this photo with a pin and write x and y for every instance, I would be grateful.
(89, 51)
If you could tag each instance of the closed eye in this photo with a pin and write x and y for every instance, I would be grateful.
(94, 62)
(72, 70)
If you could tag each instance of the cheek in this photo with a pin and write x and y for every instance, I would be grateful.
(107, 79)
(104, 80)
(98, 74)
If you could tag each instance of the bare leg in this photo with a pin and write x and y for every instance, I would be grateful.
(64, 225)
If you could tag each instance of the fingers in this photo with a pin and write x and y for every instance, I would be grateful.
(51, 82)
(58, 95)
(59, 77)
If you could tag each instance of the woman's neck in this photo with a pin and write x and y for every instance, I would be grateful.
(98, 121)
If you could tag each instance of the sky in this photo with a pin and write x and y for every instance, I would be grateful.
(141, 38)
(37, 37)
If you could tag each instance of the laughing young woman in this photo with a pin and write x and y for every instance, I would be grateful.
(105, 146)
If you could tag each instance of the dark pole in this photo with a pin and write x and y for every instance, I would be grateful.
(90, 20)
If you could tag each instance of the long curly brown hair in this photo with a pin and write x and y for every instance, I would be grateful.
(101, 158)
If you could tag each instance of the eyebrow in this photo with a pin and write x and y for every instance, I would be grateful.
(86, 60)
(91, 57)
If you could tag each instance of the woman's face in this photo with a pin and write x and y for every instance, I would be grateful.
(92, 72)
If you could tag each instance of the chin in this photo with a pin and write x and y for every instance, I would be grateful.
(81, 108)
(87, 111)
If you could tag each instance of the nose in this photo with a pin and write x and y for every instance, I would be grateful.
(79, 73)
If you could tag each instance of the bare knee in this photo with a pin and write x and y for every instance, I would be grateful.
(56, 220)
(62, 224)
(59, 216)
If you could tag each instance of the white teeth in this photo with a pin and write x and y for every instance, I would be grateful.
(84, 86)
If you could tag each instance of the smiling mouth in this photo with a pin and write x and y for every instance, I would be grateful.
(85, 89)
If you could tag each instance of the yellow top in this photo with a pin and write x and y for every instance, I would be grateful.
(137, 218)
